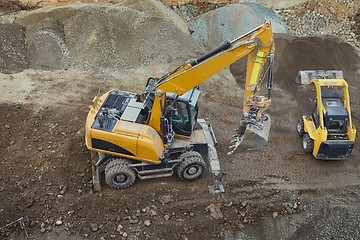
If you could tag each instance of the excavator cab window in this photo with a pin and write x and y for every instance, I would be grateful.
(181, 117)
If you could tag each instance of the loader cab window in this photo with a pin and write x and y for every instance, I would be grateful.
(337, 126)
(315, 116)
(333, 102)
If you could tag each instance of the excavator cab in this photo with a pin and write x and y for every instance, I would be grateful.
(328, 133)
(183, 112)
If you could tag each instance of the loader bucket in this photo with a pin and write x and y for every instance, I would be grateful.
(250, 136)
(304, 77)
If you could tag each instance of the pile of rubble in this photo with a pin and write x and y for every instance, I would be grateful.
(335, 17)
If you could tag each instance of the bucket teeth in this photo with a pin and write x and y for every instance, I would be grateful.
(250, 136)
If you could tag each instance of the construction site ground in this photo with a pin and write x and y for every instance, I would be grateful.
(276, 193)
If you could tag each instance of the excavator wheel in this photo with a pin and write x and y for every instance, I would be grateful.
(118, 174)
(308, 143)
(192, 166)
(300, 127)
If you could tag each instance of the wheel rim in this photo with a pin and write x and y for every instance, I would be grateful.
(304, 143)
(298, 127)
(120, 179)
(193, 171)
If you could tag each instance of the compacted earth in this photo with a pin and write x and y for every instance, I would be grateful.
(54, 60)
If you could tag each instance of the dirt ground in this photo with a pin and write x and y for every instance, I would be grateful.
(46, 173)
(277, 193)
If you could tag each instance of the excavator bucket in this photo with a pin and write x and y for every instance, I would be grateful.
(250, 136)
(304, 77)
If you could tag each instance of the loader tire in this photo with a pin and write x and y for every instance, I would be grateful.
(192, 166)
(118, 174)
(300, 127)
(308, 143)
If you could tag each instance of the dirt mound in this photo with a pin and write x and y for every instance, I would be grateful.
(102, 37)
(231, 21)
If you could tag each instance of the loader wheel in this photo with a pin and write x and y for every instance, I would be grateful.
(300, 127)
(192, 166)
(308, 143)
(118, 174)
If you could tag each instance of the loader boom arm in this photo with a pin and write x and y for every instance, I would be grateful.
(257, 45)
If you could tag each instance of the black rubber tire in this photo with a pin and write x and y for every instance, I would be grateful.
(300, 127)
(307, 143)
(118, 174)
(192, 166)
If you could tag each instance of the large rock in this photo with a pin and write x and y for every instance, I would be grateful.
(12, 48)
(46, 45)
(231, 21)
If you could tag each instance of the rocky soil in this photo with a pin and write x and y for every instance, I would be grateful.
(317, 18)
(54, 60)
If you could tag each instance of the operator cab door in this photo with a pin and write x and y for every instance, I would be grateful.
(184, 117)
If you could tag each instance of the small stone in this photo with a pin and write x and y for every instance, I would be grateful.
(215, 211)
(133, 221)
(166, 217)
(94, 227)
(40, 148)
(119, 228)
(7, 126)
(147, 223)
(241, 226)
(275, 214)
(58, 222)
(191, 214)
(42, 230)
(59, 196)
(125, 235)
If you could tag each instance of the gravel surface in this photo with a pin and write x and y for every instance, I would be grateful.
(315, 18)
(231, 21)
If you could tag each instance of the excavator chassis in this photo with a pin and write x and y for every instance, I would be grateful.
(204, 143)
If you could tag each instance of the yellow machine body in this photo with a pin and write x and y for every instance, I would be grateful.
(329, 143)
(127, 139)
(156, 128)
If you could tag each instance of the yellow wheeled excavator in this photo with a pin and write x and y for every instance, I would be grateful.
(329, 133)
(158, 132)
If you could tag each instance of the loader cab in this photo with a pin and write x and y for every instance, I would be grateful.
(334, 112)
(185, 114)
